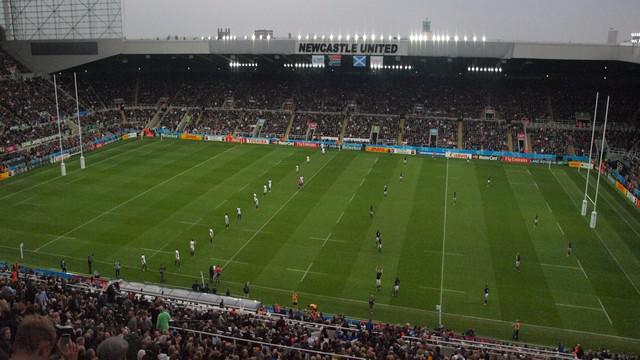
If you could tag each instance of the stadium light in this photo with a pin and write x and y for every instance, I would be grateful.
(322, 37)
(364, 37)
(348, 37)
(475, 38)
(390, 37)
(465, 38)
(306, 37)
(468, 68)
(315, 37)
(299, 37)
(455, 38)
(268, 36)
(331, 37)
(260, 37)
(253, 37)
(484, 38)
(339, 37)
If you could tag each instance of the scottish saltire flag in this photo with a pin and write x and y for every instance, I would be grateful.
(359, 61)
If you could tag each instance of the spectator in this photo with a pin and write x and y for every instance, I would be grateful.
(35, 339)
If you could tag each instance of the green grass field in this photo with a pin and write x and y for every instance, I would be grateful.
(152, 197)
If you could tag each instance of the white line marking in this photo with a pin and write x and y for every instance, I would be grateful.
(340, 218)
(58, 177)
(25, 201)
(599, 237)
(446, 253)
(156, 251)
(132, 199)
(352, 196)
(306, 272)
(605, 311)
(447, 290)
(562, 266)
(560, 227)
(444, 231)
(191, 223)
(579, 307)
(528, 172)
(362, 182)
(78, 179)
(274, 215)
(355, 301)
(235, 261)
(328, 238)
(548, 207)
(582, 269)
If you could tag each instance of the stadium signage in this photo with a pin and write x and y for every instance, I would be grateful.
(516, 160)
(306, 144)
(4, 175)
(377, 149)
(348, 48)
(213, 138)
(403, 151)
(351, 146)
(454, 155)
(193, 137)
(260, 141)
(485, 157)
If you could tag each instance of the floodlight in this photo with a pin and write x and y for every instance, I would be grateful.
(268, 36)
(474, 38)
(299, 37)
(331, 37)
(465, 38)
(253, 37)
(484, 38)
(455, 38)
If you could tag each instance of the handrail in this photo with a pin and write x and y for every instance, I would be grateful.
(237, 339)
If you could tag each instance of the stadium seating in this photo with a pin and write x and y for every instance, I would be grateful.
(233, 103)
(94, 312)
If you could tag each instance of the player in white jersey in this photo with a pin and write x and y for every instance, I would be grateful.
(269, 184)
(256, 202)
(226, 220)
(211, 235)
(308, 159)
(239, 214)
(177, 261)
(323, 150)
(143, 262)
(297, 169)
(192, 247)
(264, 189)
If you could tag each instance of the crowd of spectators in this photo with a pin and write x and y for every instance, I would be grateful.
(485, 135)
(326, 124)
(40, 316)
(417, 132)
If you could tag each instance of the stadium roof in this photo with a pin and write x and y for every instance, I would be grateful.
(51, 56)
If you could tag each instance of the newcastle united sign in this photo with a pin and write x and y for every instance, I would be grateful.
(351, 48)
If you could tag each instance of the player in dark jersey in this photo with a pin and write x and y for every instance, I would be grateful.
(372, 301)
(379, 271)
(455, 197)
(371, 211)
(569, 248)
(518, 259)
(386, 190)
(488, 181)
(378, 241)
(535, 221)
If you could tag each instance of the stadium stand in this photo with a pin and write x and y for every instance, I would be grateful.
(113, 321)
